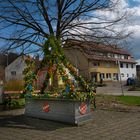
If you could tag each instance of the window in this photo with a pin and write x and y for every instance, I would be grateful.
(13, 73)
(100, 53)
(110, 55)
(132, 66)
(127, 75)
(133, 75)
(121, 65)
(108, 75)
(126, 65)
(129, 57)
(122, 56)
(119, 56)
(115, 55)
(122, 74)
(102, 75)
(125, 57)
(95, 64)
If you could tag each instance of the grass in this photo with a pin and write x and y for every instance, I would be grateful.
(129, 100)
(126, 100)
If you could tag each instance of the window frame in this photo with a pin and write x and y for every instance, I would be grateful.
(13, 73)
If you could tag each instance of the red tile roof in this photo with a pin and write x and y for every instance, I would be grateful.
(90, 50)
(91, 47)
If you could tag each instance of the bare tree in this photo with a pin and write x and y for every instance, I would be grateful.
(26, 24)
(42, 25)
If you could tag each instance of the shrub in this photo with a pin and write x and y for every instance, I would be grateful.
(17, 103)
(14, 103)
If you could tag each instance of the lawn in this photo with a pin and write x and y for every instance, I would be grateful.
(129, 100)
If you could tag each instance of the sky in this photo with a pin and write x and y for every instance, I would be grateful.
(134, 6)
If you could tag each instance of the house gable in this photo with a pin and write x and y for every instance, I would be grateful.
(14, 71)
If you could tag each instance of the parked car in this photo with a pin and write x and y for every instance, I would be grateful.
(130, 81)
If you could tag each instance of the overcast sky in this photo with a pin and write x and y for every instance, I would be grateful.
(134, 6)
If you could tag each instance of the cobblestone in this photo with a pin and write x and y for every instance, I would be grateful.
(106, 125)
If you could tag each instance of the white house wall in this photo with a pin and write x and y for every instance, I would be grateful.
(127, 72)
(16, 66)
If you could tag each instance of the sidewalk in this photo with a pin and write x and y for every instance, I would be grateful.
(106, 125)
(128, 93)
(114, 88)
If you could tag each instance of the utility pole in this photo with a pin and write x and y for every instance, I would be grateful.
(119, 72)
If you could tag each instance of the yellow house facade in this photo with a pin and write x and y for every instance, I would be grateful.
(107, 71)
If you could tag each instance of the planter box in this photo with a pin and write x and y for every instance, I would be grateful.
(72, 112)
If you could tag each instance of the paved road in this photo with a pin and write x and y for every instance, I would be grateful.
(106, 125)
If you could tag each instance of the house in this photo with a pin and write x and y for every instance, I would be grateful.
(6, 59)
(98, 62)
(127, 67)
(138, 68)
(14, 71)
(138, 71)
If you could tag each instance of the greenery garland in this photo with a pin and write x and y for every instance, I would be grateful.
(30, 75)
(56, 63)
